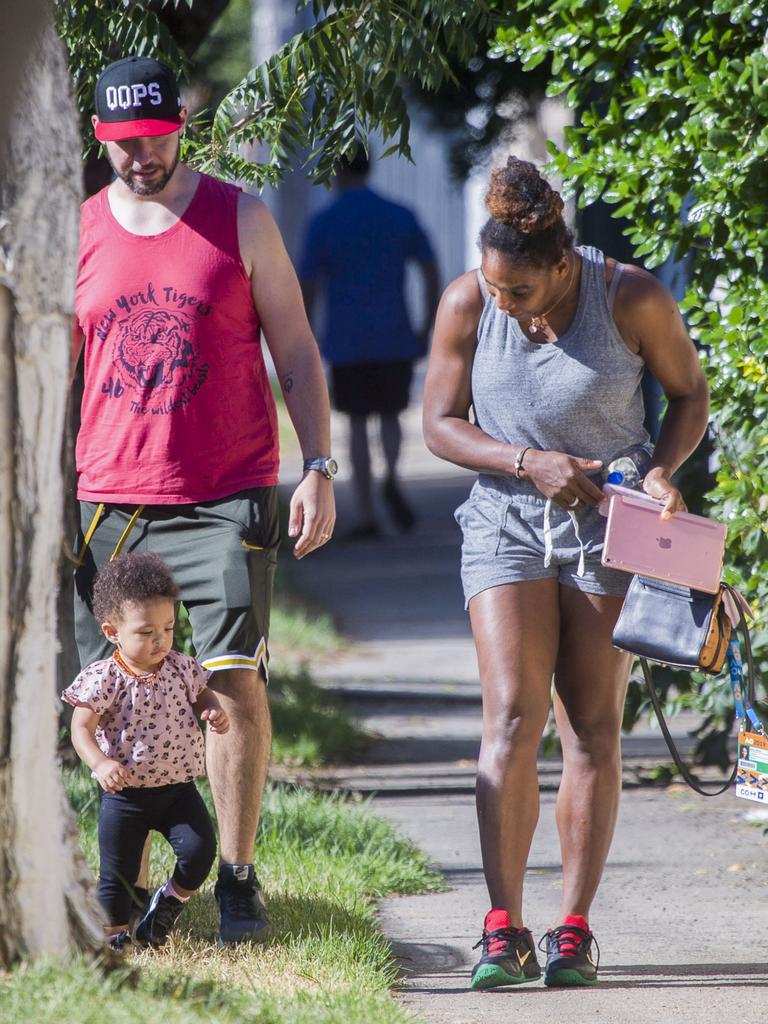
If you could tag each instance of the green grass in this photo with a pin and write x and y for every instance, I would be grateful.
(322, 860)
(299, 630)
(309, 727)
(51, 994)
(298, 633)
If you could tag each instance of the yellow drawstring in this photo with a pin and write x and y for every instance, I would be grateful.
(92, 529)
(124, 535)
(88, 534)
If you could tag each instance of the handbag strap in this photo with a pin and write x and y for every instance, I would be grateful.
(691, 779)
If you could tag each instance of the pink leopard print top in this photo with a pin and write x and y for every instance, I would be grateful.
(146, 722)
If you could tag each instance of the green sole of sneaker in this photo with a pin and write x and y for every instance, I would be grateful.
(567, 979)
(491, 976)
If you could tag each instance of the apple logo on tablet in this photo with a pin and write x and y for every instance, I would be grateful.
(664, 542)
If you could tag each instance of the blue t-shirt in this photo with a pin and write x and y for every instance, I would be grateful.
(357, 248)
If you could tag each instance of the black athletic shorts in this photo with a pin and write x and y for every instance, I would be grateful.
(223, 555)
(363, 388)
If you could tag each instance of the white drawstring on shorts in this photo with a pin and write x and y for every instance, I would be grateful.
(548, 538)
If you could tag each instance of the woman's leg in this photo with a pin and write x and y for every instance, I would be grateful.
(516, 630)
(591, 683)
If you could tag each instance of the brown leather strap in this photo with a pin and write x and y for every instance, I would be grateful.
(691, 779)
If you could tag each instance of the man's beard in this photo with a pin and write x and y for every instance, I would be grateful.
(149, 188)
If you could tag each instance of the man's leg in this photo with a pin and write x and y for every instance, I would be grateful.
(141, 888)
(237, 770)
(391, 438)
(237, 762)
(360, 460)
(223, 554)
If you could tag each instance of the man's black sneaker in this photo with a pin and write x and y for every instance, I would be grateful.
(161, 916)
(139, 906)
(509, 955)
(569, 954)
(241, 905)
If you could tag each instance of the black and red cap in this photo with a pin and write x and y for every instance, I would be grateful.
(135, 97)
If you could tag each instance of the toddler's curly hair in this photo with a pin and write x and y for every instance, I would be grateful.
(132, 578)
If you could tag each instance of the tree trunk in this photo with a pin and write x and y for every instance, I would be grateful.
(47, 907)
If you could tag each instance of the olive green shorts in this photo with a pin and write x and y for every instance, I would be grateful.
(223, 555)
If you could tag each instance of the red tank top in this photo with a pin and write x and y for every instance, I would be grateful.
(177, 405)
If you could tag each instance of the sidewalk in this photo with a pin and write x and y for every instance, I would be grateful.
(680, 915)
(671, 916)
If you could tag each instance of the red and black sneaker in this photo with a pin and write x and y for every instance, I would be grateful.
(569, 954)
(509, 955)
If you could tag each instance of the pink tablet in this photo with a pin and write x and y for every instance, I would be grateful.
(685, 549)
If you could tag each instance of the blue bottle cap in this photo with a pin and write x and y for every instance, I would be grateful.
(615, 478)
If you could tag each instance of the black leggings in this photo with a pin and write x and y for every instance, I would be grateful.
(125, 820)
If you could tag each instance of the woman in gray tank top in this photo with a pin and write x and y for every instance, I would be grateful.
(546, 344)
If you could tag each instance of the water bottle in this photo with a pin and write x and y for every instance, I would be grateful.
(623, 472)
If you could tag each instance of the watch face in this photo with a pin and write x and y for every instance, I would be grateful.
(331, 467)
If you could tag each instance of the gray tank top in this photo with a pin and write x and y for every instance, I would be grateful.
(580, 394)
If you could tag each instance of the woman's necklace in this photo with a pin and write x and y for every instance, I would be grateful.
(537, 323)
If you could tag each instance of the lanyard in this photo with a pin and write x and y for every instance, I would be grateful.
(744, 708)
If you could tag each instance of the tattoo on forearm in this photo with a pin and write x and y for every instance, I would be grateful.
(288, 382)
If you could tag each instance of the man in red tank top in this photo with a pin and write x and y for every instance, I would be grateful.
(177, 451)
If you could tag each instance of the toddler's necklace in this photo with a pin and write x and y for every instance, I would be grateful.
(148, 676)
(537, 323)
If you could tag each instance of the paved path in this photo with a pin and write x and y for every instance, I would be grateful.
(681, 913)
(672, 916)
(370, 587)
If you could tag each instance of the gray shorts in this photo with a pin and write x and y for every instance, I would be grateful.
(505, 542)
(223, 555)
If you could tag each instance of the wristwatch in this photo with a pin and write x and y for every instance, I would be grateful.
(324, 464)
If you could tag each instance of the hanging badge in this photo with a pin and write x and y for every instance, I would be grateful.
(752, 774)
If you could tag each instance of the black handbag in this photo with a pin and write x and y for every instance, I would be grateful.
(682, 628)
(674, 625)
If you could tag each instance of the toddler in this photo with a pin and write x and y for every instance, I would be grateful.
(135, 726)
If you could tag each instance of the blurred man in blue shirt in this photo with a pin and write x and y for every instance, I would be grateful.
(355, 252)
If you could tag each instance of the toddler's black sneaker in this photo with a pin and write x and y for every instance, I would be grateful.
(119, 941)
(509, 955)
(569, 954)
(241, 905)
(163, 912)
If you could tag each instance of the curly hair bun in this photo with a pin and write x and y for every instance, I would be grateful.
(519, 196)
